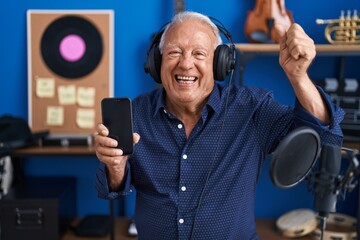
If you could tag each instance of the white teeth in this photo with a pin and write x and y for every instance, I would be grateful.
(186, 82)
(184, 78)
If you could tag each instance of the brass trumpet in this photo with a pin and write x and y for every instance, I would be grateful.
(344, 30)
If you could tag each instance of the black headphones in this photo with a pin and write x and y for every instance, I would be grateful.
(224, 57)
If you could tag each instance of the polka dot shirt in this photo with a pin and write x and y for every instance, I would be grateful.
(203, 187)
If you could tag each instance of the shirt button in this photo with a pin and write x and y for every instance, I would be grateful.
(183, 188)
(181, 221)
(165, 111)
(180, 126)
(184, 156)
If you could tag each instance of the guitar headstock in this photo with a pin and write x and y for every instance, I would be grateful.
(179, 6)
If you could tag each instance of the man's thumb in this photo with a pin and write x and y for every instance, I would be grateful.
(280, 30)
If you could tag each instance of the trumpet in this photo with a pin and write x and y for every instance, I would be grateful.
(344, 30)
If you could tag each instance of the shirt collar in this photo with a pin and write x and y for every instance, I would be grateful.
(159, 100)
(214, 101)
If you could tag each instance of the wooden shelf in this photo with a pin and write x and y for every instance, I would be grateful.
(59, 151)
(265, 228)
(322, 49)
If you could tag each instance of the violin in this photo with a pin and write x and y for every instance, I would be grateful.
(259, 25)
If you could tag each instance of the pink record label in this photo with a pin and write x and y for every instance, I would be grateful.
(72, 48)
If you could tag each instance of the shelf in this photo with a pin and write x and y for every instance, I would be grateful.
(265, 228)
(321, 49)
(52, 151)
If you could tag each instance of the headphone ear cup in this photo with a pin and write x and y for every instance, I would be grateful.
(221, 65)
(153, 63)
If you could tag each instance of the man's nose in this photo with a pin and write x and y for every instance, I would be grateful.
(186, 61)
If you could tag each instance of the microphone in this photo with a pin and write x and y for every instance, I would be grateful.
(326, 182)
(294, 160)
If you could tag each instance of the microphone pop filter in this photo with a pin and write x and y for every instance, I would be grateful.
(293, 159)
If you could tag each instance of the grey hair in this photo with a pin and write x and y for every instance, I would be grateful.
(186, 15)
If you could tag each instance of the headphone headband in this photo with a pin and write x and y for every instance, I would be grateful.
(222, 28)
(224, 56)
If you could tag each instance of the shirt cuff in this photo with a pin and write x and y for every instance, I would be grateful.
(102, 186)
(331, 133)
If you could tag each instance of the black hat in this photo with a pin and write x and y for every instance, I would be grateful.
(14, 133)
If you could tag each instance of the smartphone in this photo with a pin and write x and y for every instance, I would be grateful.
(117, 117)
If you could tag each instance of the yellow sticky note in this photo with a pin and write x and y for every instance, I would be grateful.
(55, 116)
(86, 96)
(45, 87)
(85, 118)
(67, 94)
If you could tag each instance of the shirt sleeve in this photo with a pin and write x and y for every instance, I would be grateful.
(329, 134)
(102, 186)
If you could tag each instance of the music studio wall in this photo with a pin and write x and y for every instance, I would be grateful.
(134, 24)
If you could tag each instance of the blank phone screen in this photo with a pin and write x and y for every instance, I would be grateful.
(117, 117)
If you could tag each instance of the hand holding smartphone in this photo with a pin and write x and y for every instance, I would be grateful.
(117, 117)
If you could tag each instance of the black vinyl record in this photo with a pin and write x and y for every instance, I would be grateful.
(71, 47)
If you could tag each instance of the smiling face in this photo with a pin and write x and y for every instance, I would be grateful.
(187, 63)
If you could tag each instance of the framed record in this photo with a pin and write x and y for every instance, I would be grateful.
(70, 68)
(71, 46)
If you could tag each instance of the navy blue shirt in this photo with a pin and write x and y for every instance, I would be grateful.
(220, 160)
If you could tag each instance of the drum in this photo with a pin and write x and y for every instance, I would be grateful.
(297, 223)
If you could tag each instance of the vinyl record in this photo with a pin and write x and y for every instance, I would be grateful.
(71, 47)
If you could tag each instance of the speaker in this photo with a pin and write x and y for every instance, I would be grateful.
(224, 56)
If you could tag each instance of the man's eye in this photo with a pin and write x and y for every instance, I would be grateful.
(199, 55)
(174, 53)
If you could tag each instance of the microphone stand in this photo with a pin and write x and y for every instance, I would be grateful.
(322, 225)
(358, 218)
(358, 213)
(347, 182)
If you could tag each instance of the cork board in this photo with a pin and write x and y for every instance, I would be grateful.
(70, 68)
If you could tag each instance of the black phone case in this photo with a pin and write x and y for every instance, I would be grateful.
(117, 117)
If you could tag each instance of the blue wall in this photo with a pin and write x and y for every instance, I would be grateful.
(135, 22)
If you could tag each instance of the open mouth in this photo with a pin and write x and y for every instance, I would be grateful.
(185, 80)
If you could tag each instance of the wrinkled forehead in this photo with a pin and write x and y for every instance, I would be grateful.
(189, 28)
